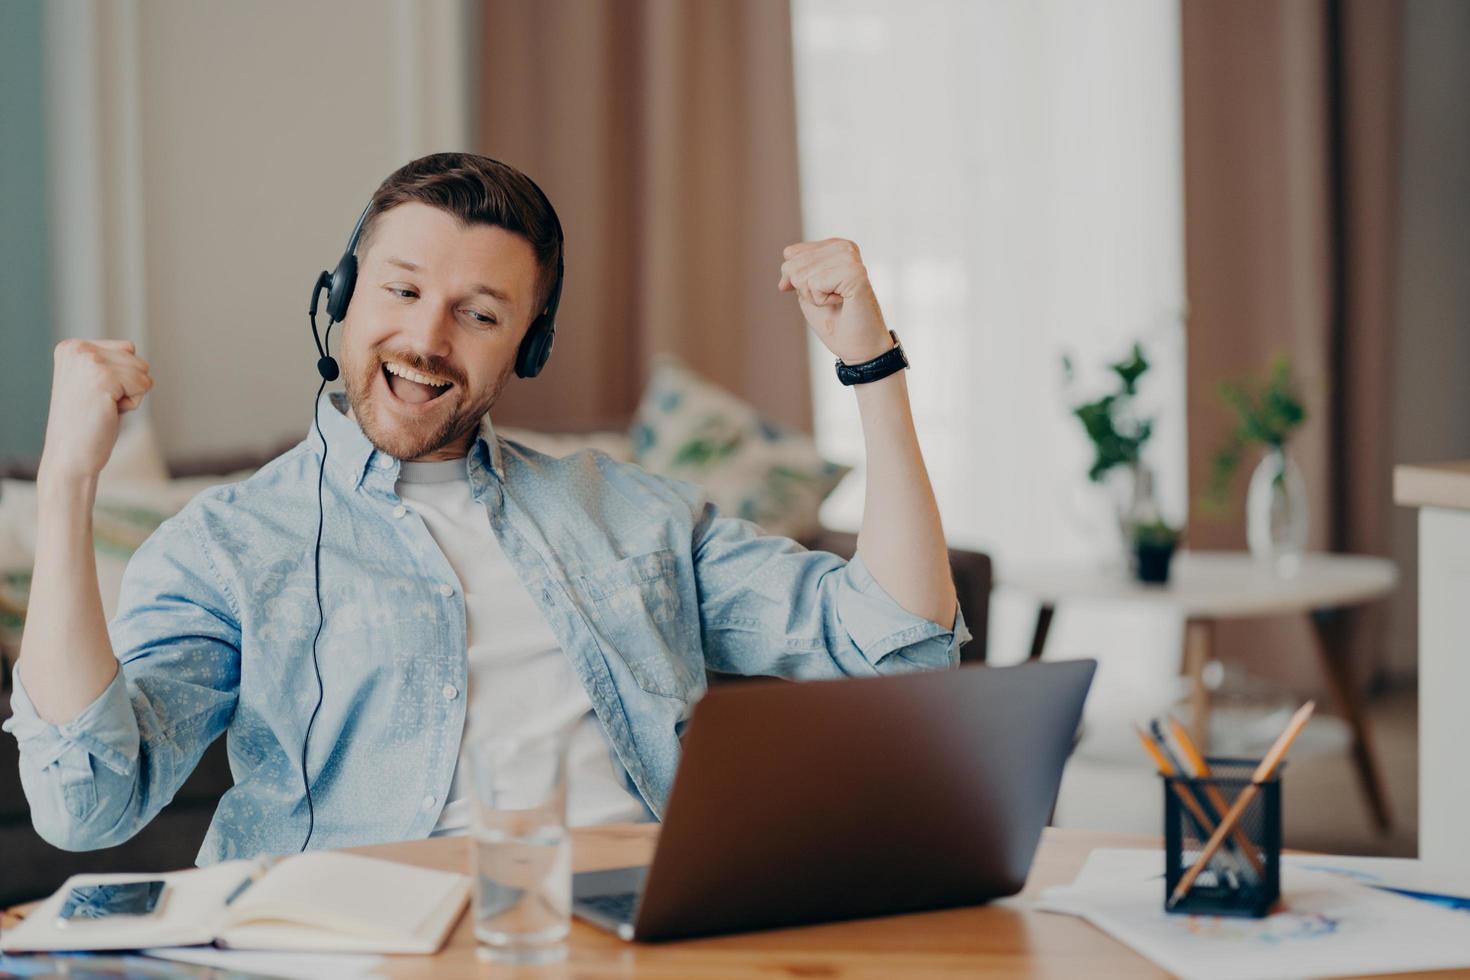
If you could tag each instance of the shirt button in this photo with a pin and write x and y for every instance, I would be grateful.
(400, 510)
(450, 692)
(446, 590)
(428, 803)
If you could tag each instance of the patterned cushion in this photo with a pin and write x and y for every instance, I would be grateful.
(688, 428)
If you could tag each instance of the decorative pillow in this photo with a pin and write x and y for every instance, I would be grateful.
(688, 428)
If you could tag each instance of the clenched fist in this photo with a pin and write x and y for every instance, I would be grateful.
(93, 384)
(831, 284)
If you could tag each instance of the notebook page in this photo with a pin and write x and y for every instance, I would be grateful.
(280, 937)
(345, 894)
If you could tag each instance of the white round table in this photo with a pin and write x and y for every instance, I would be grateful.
(1208, 586)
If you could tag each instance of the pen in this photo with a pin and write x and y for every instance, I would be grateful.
(1434, 898)
(258, 873)
(240, 889)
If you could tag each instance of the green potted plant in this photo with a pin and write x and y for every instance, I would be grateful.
(1118, 433)
(1268, 410)
(1154, 543)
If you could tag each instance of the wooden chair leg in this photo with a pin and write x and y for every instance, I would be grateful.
(1332, 653)
(1043, 627)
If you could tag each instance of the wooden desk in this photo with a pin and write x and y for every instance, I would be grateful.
(1003, 939)
(997, 940)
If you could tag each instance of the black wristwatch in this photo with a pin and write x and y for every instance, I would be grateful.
(879, 367)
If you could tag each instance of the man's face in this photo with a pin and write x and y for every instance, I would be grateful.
(432, 331)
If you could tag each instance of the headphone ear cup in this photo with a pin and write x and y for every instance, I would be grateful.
(339, 294)
(535, 349)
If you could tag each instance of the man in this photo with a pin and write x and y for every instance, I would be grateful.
(468, 585)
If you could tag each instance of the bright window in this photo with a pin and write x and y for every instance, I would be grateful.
(1012, 173)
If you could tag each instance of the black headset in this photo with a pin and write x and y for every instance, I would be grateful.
(531, 357)
(338, 284)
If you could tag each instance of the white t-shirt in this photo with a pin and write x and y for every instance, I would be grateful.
(520, 680)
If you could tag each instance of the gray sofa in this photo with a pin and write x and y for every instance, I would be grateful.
(33, 868)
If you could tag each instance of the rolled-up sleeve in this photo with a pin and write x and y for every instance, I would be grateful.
(770, 606)
(97, 779)
(878, 625)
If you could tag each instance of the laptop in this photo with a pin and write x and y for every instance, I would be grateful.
(843, 799)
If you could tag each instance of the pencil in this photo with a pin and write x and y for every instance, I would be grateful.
(1166, 769)
(1263, 772)
(1201, 769)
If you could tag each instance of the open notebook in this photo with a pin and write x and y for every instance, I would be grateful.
(321, 902)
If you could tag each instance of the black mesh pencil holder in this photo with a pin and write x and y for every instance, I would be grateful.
(1244, 876)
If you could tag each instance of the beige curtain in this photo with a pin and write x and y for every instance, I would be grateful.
(1291, 115)
(665, 133)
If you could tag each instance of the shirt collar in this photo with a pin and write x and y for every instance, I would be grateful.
(351, 457)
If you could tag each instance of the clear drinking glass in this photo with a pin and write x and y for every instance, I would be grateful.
(523, 853)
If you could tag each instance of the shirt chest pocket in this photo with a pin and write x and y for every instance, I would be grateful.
(639, 613)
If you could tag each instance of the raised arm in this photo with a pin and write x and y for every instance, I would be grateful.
(65, 655)
(110, 725)
(901, 541)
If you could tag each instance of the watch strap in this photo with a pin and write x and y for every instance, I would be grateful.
(879, 367)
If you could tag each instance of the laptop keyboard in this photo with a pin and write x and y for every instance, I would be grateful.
(619, 908)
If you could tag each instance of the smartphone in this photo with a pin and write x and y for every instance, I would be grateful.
(133, 898)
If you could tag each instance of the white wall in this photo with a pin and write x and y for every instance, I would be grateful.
(228, 149)
(1431, 406)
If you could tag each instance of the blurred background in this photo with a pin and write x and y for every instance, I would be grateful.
(1036, 185)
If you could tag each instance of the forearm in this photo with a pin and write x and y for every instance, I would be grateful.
(901, 541)
(66, 657)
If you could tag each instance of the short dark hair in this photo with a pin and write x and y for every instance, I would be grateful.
(476, 190)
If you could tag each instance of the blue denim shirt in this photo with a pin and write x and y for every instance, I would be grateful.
(642, 581)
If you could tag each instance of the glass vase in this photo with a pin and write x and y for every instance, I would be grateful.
(1276, 513)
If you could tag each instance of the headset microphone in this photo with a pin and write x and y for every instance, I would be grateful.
(326, 365)
(338, 284)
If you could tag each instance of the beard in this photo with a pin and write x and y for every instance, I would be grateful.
(452, 417)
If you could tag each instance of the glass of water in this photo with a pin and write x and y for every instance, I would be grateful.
(523, 854)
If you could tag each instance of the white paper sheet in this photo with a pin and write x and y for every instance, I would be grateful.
(1331, 924)
(290, 966)
(1408, 874)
